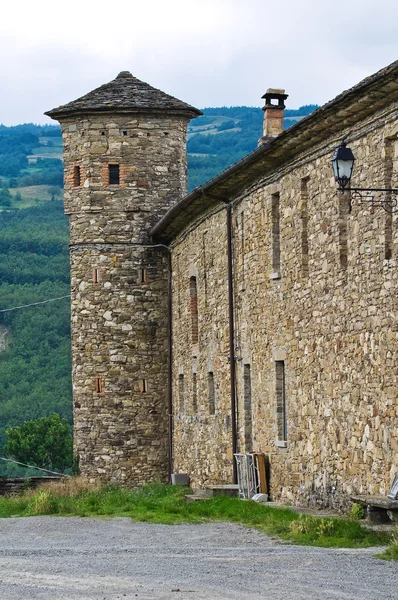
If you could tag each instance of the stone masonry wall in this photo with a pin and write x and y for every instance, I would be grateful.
(327, 313)
(119, 284)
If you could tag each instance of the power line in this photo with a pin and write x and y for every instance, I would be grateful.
(3, 310)
(16, 462)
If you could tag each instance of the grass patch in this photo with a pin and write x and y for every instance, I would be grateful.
(392, 551)
(158, 503)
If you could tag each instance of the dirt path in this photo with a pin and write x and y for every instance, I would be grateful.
(70, 558)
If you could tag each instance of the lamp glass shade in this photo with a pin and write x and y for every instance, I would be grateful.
(343, 164)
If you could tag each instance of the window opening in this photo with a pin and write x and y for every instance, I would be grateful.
(276, 241)
(143, 275)
(211, 393)
(194, 393)
(181, 392)
(144, 386)
(388, 174)
(76, 176)
(99, 388)
(344, 209)
(242, 246)
(114, 174)
(193, 299)
(304, 226)
(96, 275)
(281, 420)
(247, 395)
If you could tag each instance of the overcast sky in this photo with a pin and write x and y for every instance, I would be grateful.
(205, 52)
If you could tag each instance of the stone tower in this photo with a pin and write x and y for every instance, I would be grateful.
(125, 166)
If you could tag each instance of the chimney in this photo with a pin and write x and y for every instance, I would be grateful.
(273, 114)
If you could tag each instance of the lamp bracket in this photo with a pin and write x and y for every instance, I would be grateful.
(388, 201)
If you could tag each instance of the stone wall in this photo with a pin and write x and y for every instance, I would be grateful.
(119, 285)
(315, 294)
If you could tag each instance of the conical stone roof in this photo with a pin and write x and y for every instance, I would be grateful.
(125, 93)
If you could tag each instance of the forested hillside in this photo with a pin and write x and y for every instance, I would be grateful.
(35, 361)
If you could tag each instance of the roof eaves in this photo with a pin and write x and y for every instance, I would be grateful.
(332, 113)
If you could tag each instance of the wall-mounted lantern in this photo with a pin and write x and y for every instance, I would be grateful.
(343, 164)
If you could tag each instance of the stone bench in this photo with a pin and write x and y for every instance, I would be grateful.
(380, 509)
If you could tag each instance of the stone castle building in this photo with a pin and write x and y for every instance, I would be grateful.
(257, 313)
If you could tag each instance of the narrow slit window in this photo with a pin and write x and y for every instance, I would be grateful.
(304, 226)
(114, 174)
(211, 393)
(388, 176)
(76, 176)
(181, 393)
(194, 393)
(193, 305)
(143, 275)
(276, 233)
(344, 209)
(280, 392)
(242, 246)
(99, 386)
(247, 395)
(96, 275)
(144, 386)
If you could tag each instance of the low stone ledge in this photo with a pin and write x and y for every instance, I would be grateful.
(380, 509)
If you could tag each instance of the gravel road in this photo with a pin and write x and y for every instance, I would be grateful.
(56, 558)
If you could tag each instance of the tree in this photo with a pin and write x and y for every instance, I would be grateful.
(5, 196)
(45, 443)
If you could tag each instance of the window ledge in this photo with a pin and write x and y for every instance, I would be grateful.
(275, 275)
(281, 443)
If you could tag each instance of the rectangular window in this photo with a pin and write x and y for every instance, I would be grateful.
(304, 225)
(242, 247)
(96, 275)
(181, 393)
(144, 386)
(388, 183)
(344, 210)
(194, 393)
(276, 234)
(211, 393)
(280, 393)
(76, 176)
(142, 276)
(193, 307)
(247, 395)
(99, 386)
(114, 174)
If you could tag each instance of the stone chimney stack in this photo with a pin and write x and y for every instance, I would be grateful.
(273, 114)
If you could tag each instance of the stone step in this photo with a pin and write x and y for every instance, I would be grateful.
(230, 489)
(211, 491)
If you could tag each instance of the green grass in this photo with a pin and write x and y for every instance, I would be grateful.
(392, 551)
(166, 504)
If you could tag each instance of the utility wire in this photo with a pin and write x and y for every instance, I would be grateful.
(3, 310)
(32, 467)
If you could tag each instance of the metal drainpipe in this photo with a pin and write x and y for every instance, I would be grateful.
(231, 340)
(169, 373)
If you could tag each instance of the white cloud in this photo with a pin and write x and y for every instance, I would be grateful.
(210, 53)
